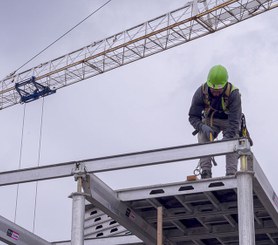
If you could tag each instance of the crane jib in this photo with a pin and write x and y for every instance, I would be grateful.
(192, 21)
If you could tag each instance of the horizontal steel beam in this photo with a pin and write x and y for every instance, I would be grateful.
(181, 188)
(10, 233)
(131, 160)
(128, 240)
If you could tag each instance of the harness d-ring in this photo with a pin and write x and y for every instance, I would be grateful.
(197, 171)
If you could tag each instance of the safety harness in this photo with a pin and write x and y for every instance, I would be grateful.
(224, 99)
(209, 111)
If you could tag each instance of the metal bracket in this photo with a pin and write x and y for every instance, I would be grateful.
(29, 90)
(79, 171)
(243, 147)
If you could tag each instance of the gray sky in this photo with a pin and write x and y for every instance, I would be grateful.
(141, 106)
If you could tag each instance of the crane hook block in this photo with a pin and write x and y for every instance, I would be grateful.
(29, 90)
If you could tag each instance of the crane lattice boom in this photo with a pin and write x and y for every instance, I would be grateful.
(196, 19)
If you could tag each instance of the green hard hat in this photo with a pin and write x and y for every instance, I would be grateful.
(217, 77)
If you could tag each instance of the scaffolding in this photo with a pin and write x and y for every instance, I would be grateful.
(240, 209)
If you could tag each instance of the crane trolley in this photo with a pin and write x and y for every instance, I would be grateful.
(29, 90)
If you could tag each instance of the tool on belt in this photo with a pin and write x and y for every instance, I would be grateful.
(244, 131)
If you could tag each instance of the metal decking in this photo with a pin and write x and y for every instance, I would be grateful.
(242, 209)
(198, 212)
(192, 216)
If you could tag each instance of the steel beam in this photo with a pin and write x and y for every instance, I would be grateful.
(106, 199)
(265, 192)
(10, 233)
(137, 159)
(179, 188)
(123, 240)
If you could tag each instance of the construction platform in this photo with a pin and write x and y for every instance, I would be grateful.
(199, 212)
(240, 209)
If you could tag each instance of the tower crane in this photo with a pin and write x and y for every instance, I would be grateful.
(196, 19)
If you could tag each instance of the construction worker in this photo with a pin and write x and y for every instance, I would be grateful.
(215, 108)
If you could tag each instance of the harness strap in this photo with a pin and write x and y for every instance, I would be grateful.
(224, 101)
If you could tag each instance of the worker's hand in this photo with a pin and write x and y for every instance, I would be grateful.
(207, 130)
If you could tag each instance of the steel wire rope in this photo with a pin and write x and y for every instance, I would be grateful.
(24, 113)
(42, 110)
(20, 159)
(38, 164)
(59, 38)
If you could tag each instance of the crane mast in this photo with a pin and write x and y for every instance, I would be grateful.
(192, 21)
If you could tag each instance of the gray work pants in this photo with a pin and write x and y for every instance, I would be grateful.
(231, 159)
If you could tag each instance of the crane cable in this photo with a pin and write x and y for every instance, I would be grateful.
(20, 159)
(79, 23)
(24, 115)
(38, 164)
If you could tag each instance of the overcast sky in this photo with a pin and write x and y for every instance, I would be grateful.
(141, 106)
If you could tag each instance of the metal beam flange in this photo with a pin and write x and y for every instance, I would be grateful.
(106, 199)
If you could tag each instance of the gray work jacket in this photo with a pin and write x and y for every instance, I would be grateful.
(233, 116)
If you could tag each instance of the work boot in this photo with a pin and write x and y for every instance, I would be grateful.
(206, 174)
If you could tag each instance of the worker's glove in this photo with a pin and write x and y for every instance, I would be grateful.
(207, 130)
